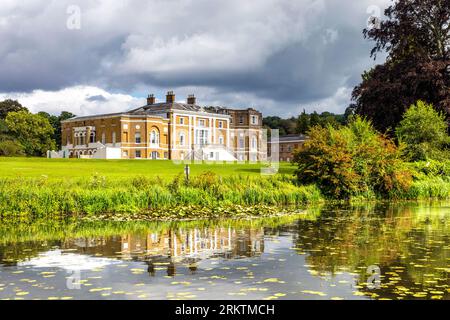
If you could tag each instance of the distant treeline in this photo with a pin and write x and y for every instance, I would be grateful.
(304, 122)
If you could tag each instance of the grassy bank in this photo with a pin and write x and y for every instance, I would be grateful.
(150, 190)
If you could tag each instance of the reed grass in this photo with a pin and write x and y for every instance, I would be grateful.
(42, 197)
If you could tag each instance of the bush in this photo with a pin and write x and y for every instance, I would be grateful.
(351, 161)
(10, 148)
(432, 168)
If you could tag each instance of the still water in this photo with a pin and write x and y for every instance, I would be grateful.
(373, 252)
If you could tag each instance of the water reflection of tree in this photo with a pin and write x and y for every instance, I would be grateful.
(395, 238)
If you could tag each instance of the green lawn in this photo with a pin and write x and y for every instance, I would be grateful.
(76, 168)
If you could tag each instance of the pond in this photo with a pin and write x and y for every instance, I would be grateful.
(382, 251)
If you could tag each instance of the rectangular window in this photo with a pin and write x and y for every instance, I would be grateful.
(220, 124)
(181, 120)
(254, 143)
(254, 120)
(241, 143)
(201, 122)
(138, 154)
(182, 140)
(202, 137)
(241, 120)
(138, 137)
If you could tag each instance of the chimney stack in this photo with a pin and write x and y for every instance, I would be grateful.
(151, 99)
(191, 99)
(170, 98)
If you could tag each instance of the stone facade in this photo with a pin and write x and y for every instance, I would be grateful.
(168, 130)
(287, 145)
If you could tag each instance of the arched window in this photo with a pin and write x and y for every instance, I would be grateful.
(103, 138)
(92, 137)
(114, 138)
(182, 139)
(154, 138)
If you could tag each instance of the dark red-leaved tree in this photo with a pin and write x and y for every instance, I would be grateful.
(416, 37)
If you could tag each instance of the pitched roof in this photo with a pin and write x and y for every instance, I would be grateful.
(293, 137)
(154, 109)
(164, 107)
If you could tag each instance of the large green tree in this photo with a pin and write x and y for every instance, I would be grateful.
(55, 122)
(9, 146)
(33, 131)
(303, 123)
(424, 130)
(8, 106)
(416, 37)
(314, 119)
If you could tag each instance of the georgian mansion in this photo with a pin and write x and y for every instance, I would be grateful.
(167, 130)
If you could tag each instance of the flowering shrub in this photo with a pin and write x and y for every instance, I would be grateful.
(351, 161)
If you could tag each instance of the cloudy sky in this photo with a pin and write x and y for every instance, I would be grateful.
(96, 56)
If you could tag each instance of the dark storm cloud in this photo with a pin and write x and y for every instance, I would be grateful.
(275, 55)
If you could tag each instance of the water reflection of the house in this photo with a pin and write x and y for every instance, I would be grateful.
(170, 248)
